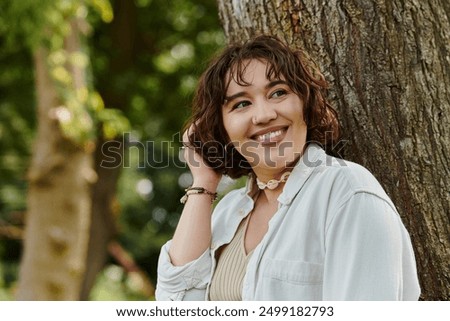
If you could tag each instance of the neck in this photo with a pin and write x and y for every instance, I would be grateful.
(265, 176)
(271, 195)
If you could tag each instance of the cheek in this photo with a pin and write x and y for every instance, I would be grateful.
(300, 117)
(226, 128)
(232, 126)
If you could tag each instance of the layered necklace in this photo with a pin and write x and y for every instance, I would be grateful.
(273, 183)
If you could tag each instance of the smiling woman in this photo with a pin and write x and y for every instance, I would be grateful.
(264, 114)
(228, 82)
(307, 226)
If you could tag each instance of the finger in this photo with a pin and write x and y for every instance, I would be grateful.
(186, 134)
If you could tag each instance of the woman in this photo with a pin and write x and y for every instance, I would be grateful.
(307, 226)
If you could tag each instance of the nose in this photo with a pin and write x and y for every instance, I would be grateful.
(263, 113)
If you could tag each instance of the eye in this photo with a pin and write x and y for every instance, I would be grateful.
(278, 93)
(241, 104)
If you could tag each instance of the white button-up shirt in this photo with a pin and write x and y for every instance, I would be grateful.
(336, 236)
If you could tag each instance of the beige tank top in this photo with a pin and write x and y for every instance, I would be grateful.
(227, 281)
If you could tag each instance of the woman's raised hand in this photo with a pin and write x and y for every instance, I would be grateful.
(203, 175)
(193, 233)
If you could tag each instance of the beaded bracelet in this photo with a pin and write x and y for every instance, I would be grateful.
(197, 190)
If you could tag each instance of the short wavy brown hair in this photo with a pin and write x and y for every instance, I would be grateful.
(209, 136)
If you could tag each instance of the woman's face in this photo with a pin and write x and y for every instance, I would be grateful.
(264, 121)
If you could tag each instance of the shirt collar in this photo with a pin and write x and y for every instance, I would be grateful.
(313, 157)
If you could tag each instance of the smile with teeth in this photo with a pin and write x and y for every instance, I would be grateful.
(270, 137)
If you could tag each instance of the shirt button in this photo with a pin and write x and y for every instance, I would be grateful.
(241, 212)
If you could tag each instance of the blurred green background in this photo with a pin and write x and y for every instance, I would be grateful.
(146, 56)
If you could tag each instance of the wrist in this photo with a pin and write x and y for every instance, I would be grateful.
(198, 191)
(209, 184)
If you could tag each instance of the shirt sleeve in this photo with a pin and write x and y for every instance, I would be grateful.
(369, 255)
(187, 282)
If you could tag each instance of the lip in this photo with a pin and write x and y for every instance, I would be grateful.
(270, 135)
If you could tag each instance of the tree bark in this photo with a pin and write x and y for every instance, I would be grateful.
(59, 197)
(388, 64)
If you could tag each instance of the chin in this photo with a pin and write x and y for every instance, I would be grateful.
(276, 162)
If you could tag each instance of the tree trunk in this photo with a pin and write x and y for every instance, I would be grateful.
(59, 197)
(388, 64)
(103, 221)
(122, 31)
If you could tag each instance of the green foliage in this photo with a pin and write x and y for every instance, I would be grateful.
(169, 43)
(8, 274)
(47, 24)
(22, 22)
(149, 70)
(25, 25)
(113, 284)
(142, 67)
(17, 118)
(114, 123)
(104, 8)
(17, 126)
(82, 107)
(32, 21)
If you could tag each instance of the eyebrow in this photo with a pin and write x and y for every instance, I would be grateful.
(243, 93)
